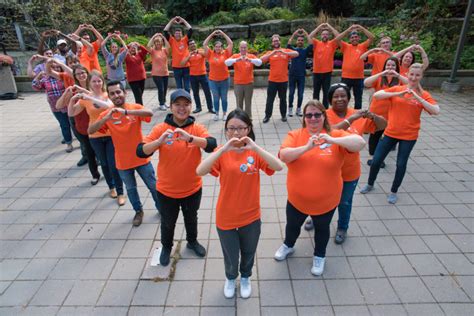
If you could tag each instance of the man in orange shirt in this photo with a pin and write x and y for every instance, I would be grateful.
(377, 56)
(323, 60)
(179, 50)
(123, 121)
(352, 65)
(278, 78)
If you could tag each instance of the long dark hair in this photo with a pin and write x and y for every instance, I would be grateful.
(75, 69)
(244, 117)
(412, 55)
(395, 80)
(319, 106)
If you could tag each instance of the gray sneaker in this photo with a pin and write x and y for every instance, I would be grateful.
(290, 112)
(298, 112)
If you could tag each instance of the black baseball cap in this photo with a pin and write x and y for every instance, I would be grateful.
(180, 93)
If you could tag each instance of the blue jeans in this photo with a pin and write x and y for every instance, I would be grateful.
(296, 81)
(357, 86)
(345, 205)
(219, 91)
(195, 82)
(63, 120)
(272, 90)
(181, 76)
(161, 83)
(105, 152)
(322, 81)
(381, 152)
(147, 173)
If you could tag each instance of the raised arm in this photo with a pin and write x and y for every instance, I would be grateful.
(230, 44)
(370, 36)
(424, 56)
(292, 37)
(97, 34)
(346, 32)
(170, 23)
(314, 32)
(404, 51)
(205, 44)
(30, 68)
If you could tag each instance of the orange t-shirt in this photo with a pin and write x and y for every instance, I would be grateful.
(243, 69)
(352, 65)
(377, 60)
(159, 62)
(218, 70)
(91, 62)
(351, 167)
(314, 180)
(126, 133)
(197, 65)
(404, 70)
(380, 107)
(279, 66)
(179, 50)
(93, 113)
(239, 197)
(67, 80)
(323, 56)
(404, 113)
(176, 171)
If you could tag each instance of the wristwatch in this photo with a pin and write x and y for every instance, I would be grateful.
(190, 140)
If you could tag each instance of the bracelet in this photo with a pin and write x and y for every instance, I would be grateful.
(190, 140)
(347, 121)
(126, 112)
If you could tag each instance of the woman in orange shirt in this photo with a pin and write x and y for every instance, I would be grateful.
(314, 155)
(218, 72)
(101, 143)
(389, 77)
(238, 208)
(160, 50)
(407, 58)
(407, 103)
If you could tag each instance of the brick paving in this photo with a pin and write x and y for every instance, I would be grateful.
(67, 248)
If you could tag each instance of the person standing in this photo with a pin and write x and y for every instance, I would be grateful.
(243, 64)
(238, 164)
(136, 74)
(179, 140)
(159, 49)
(278, 77)
(218, 71)
(91, 61)
(323, 60)
(198, 76)
(115, 58)
(179, 50)
(297, 73)
(123, 121)
(352, 65)
(377, 56)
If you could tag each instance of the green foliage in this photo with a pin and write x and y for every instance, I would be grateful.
(283, 13)
(195, 10)
(331, 7)
(467, 57)
(155, 18)
(254, 15)
(140, 39)
(219, 18)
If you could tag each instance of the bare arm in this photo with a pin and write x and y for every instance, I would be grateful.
(170, 23)
(316, 30)
(205, 44)
(353, 143)
(404, 51)
(367, 33)
(230, 44)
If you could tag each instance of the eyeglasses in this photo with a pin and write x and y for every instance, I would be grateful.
(238, 129)
(315, 115)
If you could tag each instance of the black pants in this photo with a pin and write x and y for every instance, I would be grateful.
(169, 215)
(357, 86)
(272, 89)
(374, 140)
(294, 220)
(137, 88)
(322, 80)
(161, 83)
(86, 149)
(243, 241)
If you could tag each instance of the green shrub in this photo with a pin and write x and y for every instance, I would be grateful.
(219, 18)
(283, 13)
(254, 15)
(140, 39)
(155, 18)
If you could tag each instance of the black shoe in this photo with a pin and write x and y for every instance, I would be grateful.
(197, 111)
(165, 256)
(212, 111)
(94, 181)
(283, 119)
(266, 119)
(309, 225)
(340, 236)
(63, 141)
(198, 249)
(137, 219)
(82, 162)
(382, 165)
(369, 162)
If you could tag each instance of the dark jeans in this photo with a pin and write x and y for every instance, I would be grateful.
(357, 86)
(322, 80)
(181, 76)
(344, 208)
(169, 215)
(147, 173)
(86, 148)
(195, 82)
(374, 140)
(161, 84)
(296, 81)
(240, 241)
(105, 152)
(272, 89)
(383, 149)
(294, 220)
(137, 88)
(63, 121)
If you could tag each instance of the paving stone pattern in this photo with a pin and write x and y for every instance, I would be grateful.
(67, 248)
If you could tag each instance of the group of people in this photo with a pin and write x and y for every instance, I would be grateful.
(322, 156)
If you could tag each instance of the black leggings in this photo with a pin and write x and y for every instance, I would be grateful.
(86, 148)
(374, 140)
(294, 220)
(137, 88)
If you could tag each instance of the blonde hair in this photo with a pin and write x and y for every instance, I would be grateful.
(420, 67)
(95, 73)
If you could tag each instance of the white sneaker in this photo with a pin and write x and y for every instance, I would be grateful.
(283, 252)
(216, 117)
(290, 112)
(298, 112)
(229, 288)
(245, 287)
(224, 117)
(167, 106)
(162, 107)
(318, 266)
